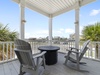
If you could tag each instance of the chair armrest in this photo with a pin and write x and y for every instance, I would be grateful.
(74, 48)
(20, 50)
(73, 51)
(39, 55)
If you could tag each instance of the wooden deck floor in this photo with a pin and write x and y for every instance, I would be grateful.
(12, 68)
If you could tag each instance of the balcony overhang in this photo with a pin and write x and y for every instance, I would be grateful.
(53, 7)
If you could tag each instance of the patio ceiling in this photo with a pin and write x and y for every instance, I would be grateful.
(53, 7)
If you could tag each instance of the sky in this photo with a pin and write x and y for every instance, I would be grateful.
(37, 25)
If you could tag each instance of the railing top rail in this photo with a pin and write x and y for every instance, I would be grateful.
(6, 42)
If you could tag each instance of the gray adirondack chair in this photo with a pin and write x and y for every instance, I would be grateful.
(78, 55)
(34, 64)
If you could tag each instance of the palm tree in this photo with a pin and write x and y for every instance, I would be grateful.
(92, 32)
(6, 34)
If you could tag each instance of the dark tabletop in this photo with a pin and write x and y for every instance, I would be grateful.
(49, 48)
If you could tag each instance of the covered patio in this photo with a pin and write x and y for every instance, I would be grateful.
(51, 9)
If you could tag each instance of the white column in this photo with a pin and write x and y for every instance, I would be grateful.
(22, 19)
(77, 27)
(50, 30)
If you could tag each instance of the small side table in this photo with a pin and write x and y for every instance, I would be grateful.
(51, 55)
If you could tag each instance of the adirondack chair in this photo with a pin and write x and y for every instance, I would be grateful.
(34, 64)
(78, 55)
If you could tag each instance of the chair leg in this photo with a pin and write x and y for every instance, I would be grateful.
(20, 70)
(37, 71)
(66, 60)
(21, 73)
(77, 56)
(67, 57)
(43, 62)
(78, 68)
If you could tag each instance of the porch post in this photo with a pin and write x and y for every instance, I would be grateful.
(77, 26)
(50, 30)
(22, 20)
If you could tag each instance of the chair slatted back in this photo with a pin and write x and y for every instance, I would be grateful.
(20, 44)
(25, 58)
(84, 49)
(24, 53)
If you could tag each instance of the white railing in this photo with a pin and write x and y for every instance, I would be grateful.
(6, 51)
(7, 48)
(93, 51)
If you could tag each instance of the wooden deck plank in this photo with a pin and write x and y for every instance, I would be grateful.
(6, 69)
(12, 69)
(16, 65)
(1, 69)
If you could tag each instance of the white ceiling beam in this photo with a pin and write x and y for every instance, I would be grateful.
(36, 9)
(82, 3)
(17, 1)
(85, 2)
(39, 10)
(64, 10)
(30, 6)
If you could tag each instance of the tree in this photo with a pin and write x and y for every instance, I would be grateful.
(92, 32)
(6, 34)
